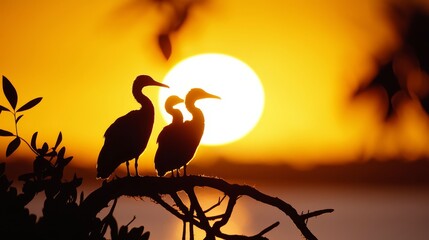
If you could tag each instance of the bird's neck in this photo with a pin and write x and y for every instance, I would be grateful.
(142, 99)
(177, 115)
(197, 114)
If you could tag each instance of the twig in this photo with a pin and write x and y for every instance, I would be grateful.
(271, 227)
(231, 203)
(316, 213)
(219, 202)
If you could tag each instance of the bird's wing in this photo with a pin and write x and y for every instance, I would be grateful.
(129, 134)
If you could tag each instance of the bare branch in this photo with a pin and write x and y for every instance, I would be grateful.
(153, 187)
(195, 204)
(271, 227)
(231, 203)
(316, 213)
(219, 202)
(179, 203)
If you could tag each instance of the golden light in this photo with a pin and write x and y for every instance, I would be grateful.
(238, 86)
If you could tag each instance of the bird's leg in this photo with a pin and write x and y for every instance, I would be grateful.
(128, 168)
(136, 165)
(172, 173)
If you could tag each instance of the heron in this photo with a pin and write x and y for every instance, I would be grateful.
(169, 146)
(127, 137)
(186, 137)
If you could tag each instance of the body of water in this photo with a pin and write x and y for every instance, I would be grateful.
(360, 213)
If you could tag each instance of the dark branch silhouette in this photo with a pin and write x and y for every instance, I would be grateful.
(128, 136)
(156, 187)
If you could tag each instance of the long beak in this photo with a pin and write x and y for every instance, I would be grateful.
(209, 95)
(160, 84)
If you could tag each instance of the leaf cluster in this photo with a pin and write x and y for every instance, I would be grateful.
(12, 97)
(61, 216)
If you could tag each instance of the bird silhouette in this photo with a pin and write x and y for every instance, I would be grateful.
(177, 148)
(128, 136)
(169, 146)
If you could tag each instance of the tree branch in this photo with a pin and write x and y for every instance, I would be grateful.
(153, 187)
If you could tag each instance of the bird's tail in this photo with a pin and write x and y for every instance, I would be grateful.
(106, 164)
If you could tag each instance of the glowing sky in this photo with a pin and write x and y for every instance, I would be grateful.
(82, 57)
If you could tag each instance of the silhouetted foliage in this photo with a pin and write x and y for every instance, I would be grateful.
(406, 71)
(69, 215)
(61, 217)
(175, 13)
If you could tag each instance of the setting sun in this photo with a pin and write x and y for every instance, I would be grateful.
(238, 86)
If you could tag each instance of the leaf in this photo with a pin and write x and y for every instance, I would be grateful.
(44, 149)
(165, 45)
(61, 153)
(18, 118)
(10, 92)
(145, 236)
(30, 104)
(33, 140)
(13, 146)
(4, 133)
(3, 109)
(2, 168)
(135, 233)
(26, 177)
(66, 161)
(59, 139)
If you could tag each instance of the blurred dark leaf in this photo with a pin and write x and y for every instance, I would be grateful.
(10, 92)
(2, 168)
(13, 146)
(44, 149)
(51, 189)
(59, 139)
(51, 153)
(18, 118)
(181, 17)
(82, 197)
(425, 103)
(387, 79)
(2, 108)
(26, 177)
(40, 165)
(123, 232)
(5, 133)
(417, 37)
(165, 45)
(77, 181)
(61, 153)
(145, 236)
(66, 161)
(135, 233)
(33, 140)
(30, 104)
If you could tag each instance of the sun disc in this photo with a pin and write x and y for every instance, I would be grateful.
(238, 86)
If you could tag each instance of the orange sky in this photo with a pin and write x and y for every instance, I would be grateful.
(82, 57)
